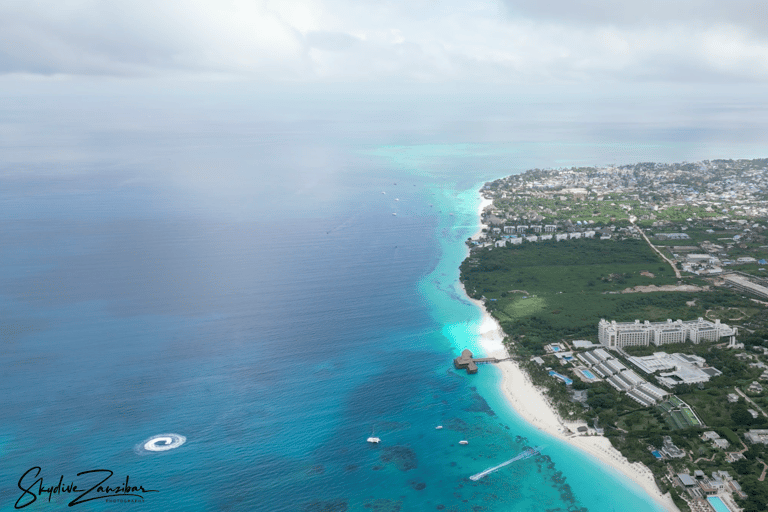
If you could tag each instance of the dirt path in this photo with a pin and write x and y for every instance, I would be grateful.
(671, 264)
(765, 468)
(743, 315)
(666, 288)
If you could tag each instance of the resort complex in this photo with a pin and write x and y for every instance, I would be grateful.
(627, 334)
(621, 378)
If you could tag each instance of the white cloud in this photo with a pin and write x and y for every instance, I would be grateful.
(510, 41)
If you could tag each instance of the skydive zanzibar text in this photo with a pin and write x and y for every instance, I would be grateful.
(97, 491)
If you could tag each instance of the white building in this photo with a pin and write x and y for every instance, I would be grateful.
(744, 285)
(757, 436)
(621, 378)
(623, 334)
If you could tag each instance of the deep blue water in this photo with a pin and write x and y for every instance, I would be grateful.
(243, 282)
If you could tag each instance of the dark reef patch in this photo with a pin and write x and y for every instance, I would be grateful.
(403, 457)
(478, 404)
(384, 505)
(327, 506)
(417, 486)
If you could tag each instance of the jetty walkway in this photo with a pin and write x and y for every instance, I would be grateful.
(466, 362)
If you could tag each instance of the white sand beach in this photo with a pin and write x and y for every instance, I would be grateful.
(533, 406)
(483, 204)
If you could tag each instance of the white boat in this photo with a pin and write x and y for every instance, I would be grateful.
(374, 440)
(438, 427)
(463, 442)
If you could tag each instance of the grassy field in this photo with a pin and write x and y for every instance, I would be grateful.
(551, 290)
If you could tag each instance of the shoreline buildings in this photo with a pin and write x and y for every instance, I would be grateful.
(614, 335)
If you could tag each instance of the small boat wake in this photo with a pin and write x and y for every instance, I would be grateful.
(527, 454)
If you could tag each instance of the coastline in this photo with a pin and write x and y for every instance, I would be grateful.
(532, 405)
(484, 203)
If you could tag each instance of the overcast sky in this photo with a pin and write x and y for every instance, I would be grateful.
(382, 41)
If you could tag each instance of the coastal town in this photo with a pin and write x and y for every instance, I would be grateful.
(636, 298)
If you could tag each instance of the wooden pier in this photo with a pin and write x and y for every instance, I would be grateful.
(466, 362)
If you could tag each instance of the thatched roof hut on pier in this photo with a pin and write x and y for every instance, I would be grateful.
(465, 362)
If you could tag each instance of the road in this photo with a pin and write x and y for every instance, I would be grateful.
(757, 407)
(671, 263)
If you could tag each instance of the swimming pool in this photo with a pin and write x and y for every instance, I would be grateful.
(718, 504)
(588, 374)
(656, 454)
(555, 349)
(561, 377)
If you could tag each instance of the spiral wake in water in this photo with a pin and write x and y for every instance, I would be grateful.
(162, 443)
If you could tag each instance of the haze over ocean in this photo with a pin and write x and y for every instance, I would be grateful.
(225, 265)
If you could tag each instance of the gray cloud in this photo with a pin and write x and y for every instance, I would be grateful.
(331, 41)
(745, 13)
(518, 41)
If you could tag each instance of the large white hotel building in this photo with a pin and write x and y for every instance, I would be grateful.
(627, 334)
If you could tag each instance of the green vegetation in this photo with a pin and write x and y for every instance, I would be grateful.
(550, 291)
(545, 291)
(600, 213)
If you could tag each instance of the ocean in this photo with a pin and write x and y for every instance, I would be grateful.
(268, 281)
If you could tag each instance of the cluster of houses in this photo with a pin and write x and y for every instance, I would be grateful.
(708, 264)
(712, 185)
(720, 483)
(717, 441)
(516, 235)
(517, 240)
